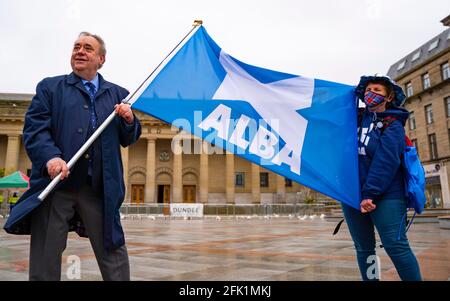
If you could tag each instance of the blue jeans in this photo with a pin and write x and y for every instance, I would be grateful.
(389, 220)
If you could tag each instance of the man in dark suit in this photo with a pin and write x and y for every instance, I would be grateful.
(63, 114)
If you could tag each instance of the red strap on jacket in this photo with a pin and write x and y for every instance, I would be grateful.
(408, 141)
(387, 122)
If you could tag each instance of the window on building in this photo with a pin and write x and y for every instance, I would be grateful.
(287, 182)
(433, 146)
(445, 71)
(412, 121)
(414, 142)
(217, 150)
(426, 81)
(448, 131)
(401, 65)
(447, 105)
(239, 179)
(409, 89)
(264, 179)
(416, 56)
(429, 114)
(433, 45)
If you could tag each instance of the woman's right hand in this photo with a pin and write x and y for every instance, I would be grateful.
(367, 205)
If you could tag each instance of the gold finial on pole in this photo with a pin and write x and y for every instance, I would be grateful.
(198, 22)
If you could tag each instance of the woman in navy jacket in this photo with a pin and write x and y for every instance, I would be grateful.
(383, 204)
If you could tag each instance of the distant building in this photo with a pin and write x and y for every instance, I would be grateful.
(425, 77)
(154, 174)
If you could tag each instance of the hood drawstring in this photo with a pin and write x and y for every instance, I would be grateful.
(374, 117)
(338, 226)
(408, 224)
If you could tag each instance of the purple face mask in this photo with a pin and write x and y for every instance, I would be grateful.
(372, 99)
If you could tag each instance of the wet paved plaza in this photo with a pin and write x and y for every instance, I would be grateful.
(237, 249)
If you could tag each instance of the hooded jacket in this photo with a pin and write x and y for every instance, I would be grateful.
(380, 153)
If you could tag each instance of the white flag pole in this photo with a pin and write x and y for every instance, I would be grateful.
(129, 100)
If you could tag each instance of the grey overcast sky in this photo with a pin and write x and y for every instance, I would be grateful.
(331, 40)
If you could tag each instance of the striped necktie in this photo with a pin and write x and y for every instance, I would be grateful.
(91, 89)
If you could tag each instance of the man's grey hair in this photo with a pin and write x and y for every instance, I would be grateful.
(98, 38)
(102, 50)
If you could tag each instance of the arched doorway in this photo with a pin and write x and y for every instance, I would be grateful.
(190, 180)
(163, 187)
(137, 185)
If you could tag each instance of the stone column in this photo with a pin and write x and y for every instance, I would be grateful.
(150, 180)
(256, 184)
(177, 180)
(281, 189)
(12, 154)
(229, 178)
(204, 177)
(124, 153)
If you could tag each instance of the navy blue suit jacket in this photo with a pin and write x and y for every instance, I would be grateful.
(56, 125)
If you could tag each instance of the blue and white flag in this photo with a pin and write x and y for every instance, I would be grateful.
(301, 128)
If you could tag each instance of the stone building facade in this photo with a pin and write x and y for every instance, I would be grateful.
(161, 169)
(425, 77)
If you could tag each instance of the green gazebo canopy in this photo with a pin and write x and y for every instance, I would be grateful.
(15, 180)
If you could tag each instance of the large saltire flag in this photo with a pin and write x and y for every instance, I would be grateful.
(301, 128)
